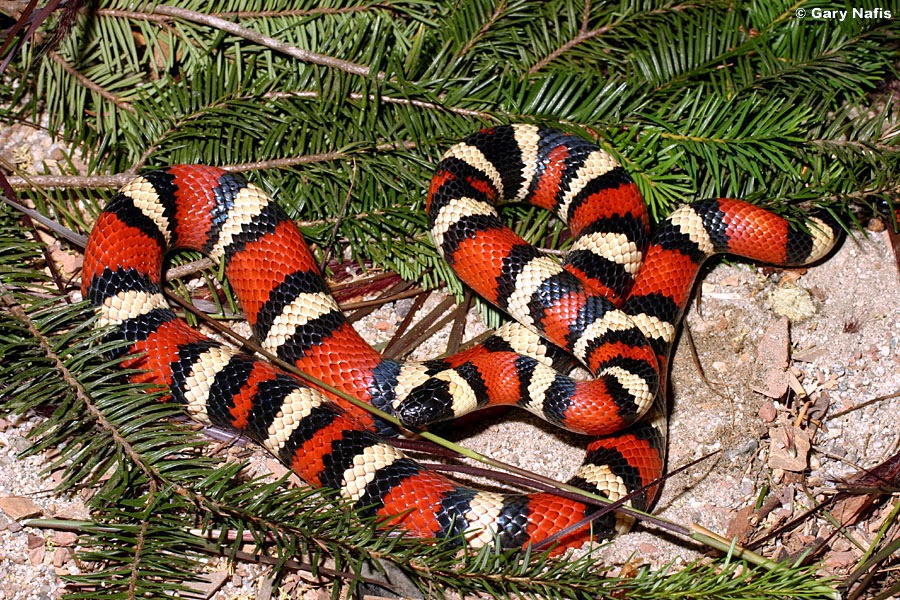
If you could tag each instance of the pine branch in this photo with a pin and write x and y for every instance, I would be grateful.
(267, 41)
(88, 84)
(585, 33)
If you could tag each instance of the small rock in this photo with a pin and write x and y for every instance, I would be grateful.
(276, 468)
(772, 360)
(740, 524)
(810, 354)
(35, 541)
(777, 475)
(209, 583)
(848, 510)
(647, 548)
(61, 556)
(767, 411)
(789, 448)
(840, 560)
(20, 507)
(841, 545)
(722, 324)
(20, 443)
(748, 447)
(65, 539)
(793, 302)
(875, 225)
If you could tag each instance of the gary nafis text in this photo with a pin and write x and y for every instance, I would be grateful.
(840, 15)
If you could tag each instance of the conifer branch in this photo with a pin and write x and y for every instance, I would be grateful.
(297, 12)
(79, 182)
(584, 34)
(392, 100)
(500, 8)
(116, 181)
(87, 83)
(265, 40)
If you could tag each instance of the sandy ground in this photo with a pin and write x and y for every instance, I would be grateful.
(844, 352)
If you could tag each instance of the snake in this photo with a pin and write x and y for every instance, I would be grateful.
(610, 305)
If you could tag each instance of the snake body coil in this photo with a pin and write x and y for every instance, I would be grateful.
(612, 304)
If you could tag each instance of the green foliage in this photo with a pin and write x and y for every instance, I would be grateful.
(340, 109)
(696, 99)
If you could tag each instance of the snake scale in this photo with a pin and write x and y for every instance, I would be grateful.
(611, 305)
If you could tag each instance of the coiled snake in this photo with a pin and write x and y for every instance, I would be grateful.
(613, 304)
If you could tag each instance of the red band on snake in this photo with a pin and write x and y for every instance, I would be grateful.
(611, 306)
